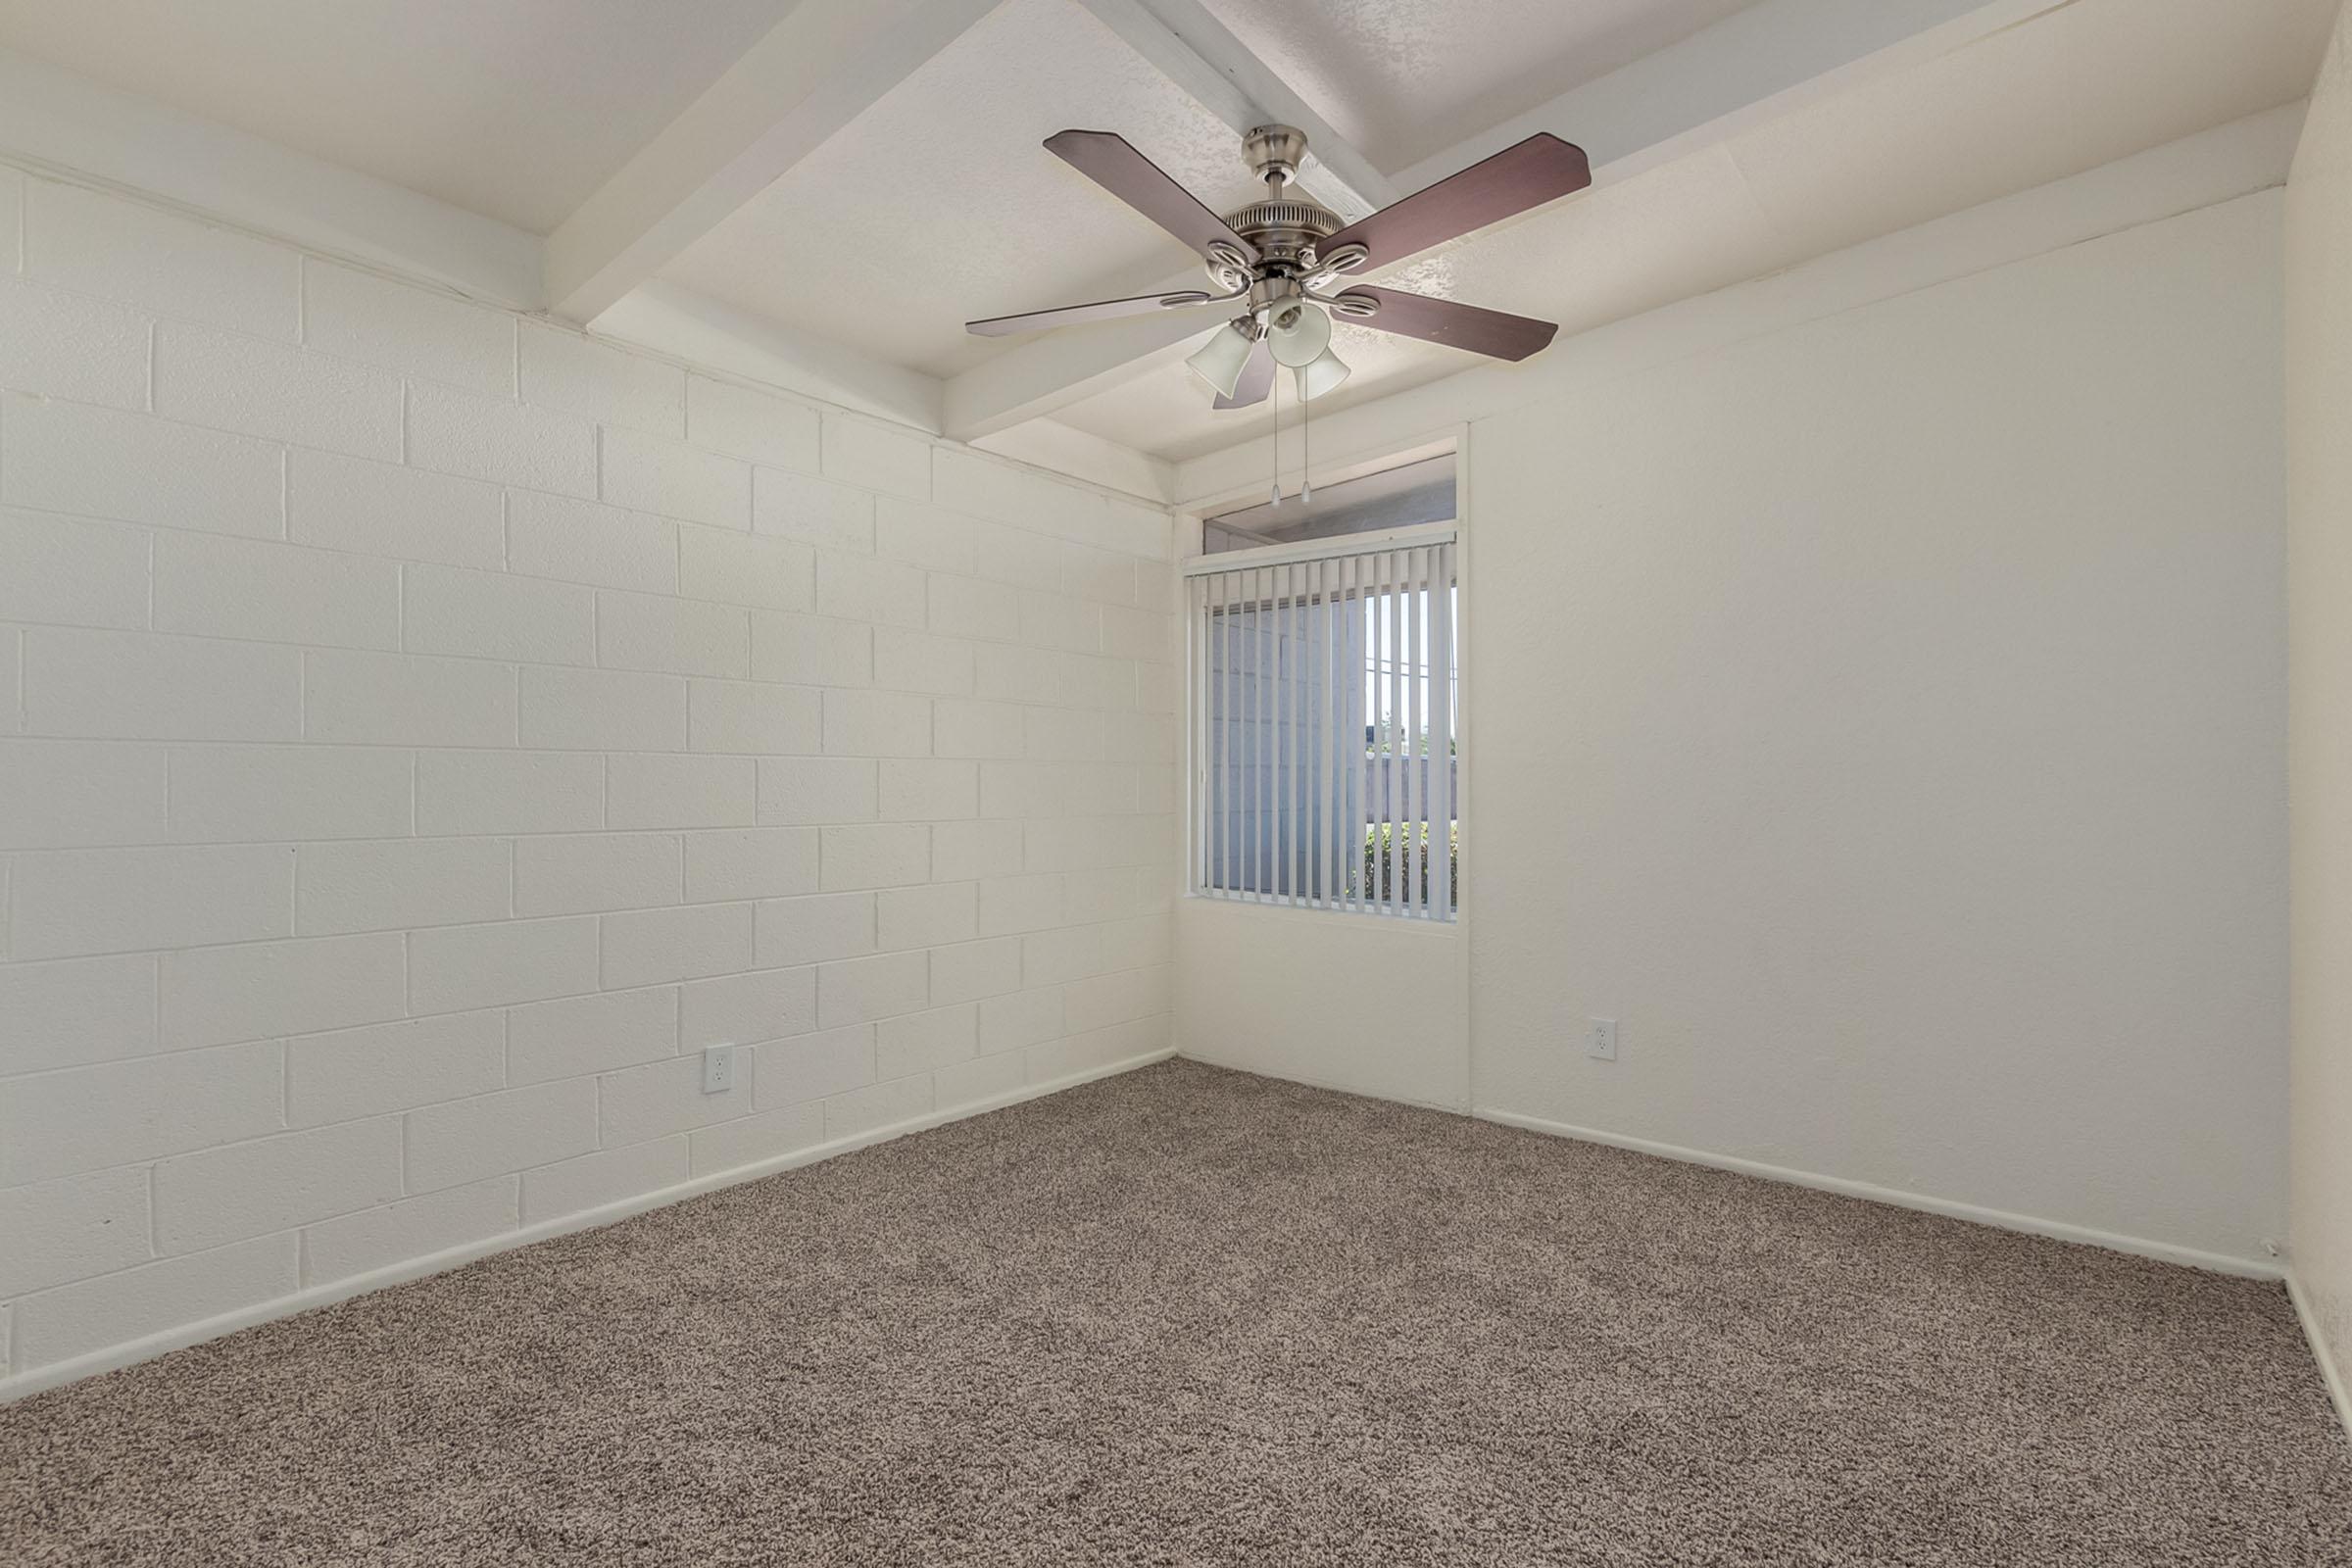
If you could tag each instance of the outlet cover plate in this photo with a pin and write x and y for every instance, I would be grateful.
(1601, 1040)
(718, 1069)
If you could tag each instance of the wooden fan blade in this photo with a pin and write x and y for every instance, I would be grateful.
(1537, 170)
(1099, 311)
(1107, 158)
(1257, 379)
(1497, 335)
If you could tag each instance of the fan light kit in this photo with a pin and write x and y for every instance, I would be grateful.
(1281, 260)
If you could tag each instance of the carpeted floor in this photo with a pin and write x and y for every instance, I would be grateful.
(1190, 1318)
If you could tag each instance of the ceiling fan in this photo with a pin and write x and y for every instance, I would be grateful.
(1281, 260)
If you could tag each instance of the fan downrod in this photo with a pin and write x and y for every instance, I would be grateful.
(1285, 227)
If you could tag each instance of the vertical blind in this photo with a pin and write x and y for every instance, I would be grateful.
(1323, 724)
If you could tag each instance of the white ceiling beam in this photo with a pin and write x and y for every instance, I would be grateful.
(708, 334)
(1753, 65)
(810, 76)
(1200, 55)
(2200, 171)
(692, 326)
(53, 120)
(1082, 455)
(1758, 63)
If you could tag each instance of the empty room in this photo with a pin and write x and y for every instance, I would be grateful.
(1179, 782)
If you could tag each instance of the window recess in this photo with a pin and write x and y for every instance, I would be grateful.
(1323, 715)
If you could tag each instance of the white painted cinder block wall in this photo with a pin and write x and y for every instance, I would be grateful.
(424, 729)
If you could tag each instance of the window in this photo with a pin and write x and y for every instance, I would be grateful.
(1324, 711)
(1385, 498)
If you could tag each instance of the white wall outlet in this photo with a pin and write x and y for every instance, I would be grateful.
(718, 1069)
(1601, 1042)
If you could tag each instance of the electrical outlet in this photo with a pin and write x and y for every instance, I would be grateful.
(1601, 1042)
(718, 1069)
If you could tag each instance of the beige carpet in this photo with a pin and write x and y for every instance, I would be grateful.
(1189, 1317)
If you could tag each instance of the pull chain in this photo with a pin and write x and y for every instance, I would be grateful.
(1274, 403)
(1306, 418)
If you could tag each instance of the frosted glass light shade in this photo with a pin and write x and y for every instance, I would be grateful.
(1323, 374)
(1220, 360)
(1299, 337)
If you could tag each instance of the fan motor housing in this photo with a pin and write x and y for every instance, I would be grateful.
(1283, 228)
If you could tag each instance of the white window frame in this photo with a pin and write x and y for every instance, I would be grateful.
(1442, 541)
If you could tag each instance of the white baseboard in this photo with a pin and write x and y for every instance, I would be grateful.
(113, 1357)
(2331, 1372)
(2031, 1225)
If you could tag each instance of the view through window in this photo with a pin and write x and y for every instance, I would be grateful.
(1325, 714)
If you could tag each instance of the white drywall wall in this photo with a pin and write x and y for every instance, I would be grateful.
(1361, 1002)
(424, 729)
(1884, 719)
(2319, 433)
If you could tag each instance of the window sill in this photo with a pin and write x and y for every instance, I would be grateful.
(1357, 919)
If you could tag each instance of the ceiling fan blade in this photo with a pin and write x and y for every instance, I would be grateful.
(1105, 158)
(1257, 379)
(1539, 169)
(1099, 311)
(1497, 335)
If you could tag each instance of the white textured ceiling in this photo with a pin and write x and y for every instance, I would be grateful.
(939, 199)
(1403, 80)
(939, 205)
(2078, 87)
(515, 109)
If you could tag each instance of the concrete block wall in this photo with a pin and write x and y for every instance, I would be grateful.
(424, 729)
